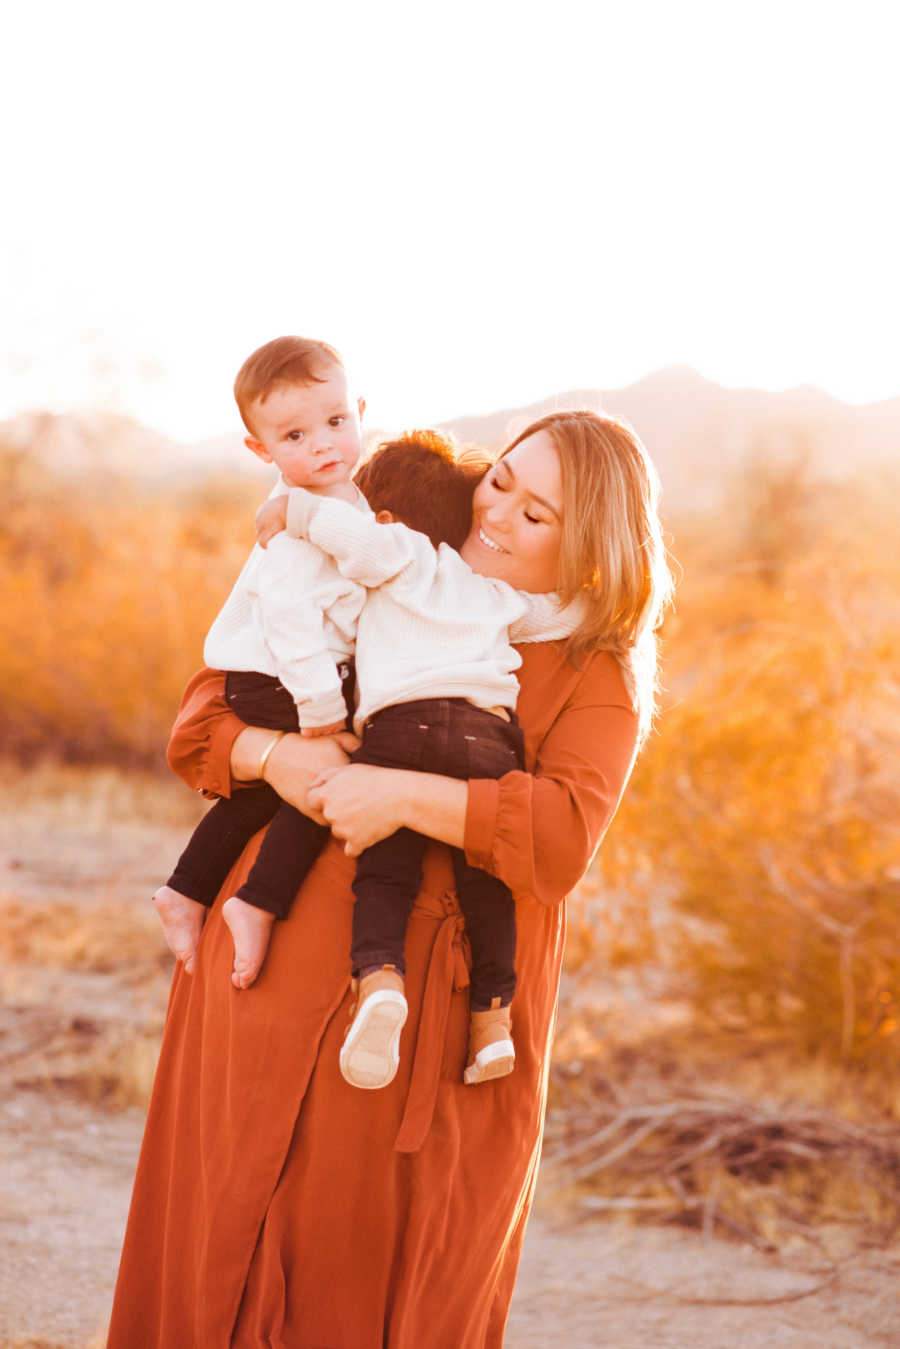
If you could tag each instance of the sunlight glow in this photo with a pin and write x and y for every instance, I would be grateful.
(478, 210)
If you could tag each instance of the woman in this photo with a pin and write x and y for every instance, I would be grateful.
(275, 1205)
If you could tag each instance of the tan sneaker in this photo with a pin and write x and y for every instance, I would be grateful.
(491, 1050)
(370, 1053)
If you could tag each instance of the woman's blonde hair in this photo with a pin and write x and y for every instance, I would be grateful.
(612, 548)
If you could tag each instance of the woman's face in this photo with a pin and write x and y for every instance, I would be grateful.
(517, 517)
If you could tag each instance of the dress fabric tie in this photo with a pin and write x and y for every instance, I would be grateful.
(447, 972)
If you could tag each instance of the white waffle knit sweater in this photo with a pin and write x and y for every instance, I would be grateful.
(293, 614)
(430, 627)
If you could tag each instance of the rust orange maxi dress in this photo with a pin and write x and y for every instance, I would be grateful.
(277, 1206)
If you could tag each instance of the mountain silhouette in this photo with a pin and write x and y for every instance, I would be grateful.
(699, 433)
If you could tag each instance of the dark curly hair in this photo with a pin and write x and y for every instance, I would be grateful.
(426, 482)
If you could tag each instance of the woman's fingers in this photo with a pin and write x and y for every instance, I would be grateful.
(360, 802)
(348, 741)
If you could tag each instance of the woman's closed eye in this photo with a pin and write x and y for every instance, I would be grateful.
(499, 486)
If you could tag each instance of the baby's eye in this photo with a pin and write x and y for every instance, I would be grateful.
(294, 435)
(338, 421)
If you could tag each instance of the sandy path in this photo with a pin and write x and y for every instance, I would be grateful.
(66, 1165)
(67, 1171)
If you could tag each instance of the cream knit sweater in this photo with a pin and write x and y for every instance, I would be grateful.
(430, 626)
(292, 614)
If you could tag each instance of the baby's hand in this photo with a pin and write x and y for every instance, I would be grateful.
(311, 731)
(271, 519)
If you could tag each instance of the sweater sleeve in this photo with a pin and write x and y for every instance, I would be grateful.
(538, 831)
(364, 550)
(295, 590)
(205, 729)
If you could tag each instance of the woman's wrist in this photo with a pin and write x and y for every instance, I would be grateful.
(274, 740)
(247, 751)
(408, 787)
(434, 805)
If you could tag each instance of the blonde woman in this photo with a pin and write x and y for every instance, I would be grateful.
(274, 1205)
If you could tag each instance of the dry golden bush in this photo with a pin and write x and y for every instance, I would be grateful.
(756, 851)
(107, 597)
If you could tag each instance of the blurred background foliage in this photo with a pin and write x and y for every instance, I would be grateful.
(751, 880)
(758, 841)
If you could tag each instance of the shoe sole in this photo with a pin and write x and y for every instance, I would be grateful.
(496, 1060)
(370, 1054)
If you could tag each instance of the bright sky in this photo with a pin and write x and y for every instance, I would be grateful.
(479, 203)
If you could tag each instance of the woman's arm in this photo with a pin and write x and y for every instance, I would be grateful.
(536, 831)
(213, 750)
(364, 804)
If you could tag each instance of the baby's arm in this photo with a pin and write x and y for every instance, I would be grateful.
(271, 519)
(364, 550)
(293, 596)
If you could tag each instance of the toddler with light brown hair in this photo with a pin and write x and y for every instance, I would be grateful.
(286, 635)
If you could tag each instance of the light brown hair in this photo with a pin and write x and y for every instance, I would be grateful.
(612, 550)
(284, 360)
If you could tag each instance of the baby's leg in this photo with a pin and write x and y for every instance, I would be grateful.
(387, 880)
(292, 843)
(182, 920)
(202, 868)
(250, 929)
(492, 748)
(490, 914)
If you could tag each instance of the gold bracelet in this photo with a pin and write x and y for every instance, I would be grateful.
(264, 757)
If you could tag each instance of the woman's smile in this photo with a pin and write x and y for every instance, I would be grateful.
(489, 543)
(517, 517)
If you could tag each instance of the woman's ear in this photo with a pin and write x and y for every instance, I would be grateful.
(385, 518)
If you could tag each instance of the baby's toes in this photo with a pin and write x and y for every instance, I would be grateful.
(245, 972)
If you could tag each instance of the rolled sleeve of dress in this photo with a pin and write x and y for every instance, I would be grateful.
(537, 832)
(205, 730)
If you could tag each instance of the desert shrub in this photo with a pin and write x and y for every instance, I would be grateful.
(106, 602)
(755, 852)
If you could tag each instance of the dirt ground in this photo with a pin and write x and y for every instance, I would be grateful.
(83, 977)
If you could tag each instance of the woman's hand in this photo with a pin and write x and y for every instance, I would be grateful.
(364, 804)
(271, 519)
(293, 765)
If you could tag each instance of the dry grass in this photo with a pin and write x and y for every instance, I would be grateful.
(84, 968)
(725, 1132)
(85, 991)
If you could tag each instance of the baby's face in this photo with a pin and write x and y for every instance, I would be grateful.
(312, 432)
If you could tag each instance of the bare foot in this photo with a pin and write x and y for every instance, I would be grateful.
(251, 928)
(182, 921)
